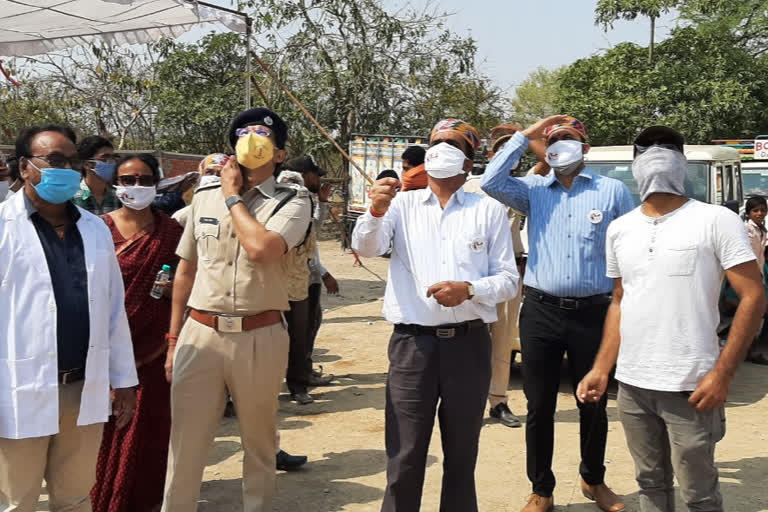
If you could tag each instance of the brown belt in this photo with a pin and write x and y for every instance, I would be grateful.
(224, 323)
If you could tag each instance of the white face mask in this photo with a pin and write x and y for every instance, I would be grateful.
(136, 198)
(565, 156)
(4, 188)
(209, 179)
(444, 161)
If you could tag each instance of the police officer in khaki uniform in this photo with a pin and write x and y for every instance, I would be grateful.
(232, 280)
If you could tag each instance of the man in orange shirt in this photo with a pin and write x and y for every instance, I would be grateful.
(414, 175)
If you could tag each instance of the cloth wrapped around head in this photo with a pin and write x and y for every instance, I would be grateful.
(458, 130)
(213, 162)
(572, 125)
(660, 170)
(499, 135)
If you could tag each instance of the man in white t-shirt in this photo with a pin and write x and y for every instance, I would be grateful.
(667, 258)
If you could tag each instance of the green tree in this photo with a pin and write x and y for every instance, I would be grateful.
(703, 85)
(608, 12)
(201, 89)
(535, 97)
(360, 68)
(101, 89)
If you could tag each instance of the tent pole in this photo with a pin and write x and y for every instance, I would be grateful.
(248, 26)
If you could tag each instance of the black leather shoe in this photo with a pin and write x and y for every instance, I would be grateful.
(288, 462)
(502, 413)
(302, 398)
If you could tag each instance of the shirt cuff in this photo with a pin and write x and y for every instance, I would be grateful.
(482, 290)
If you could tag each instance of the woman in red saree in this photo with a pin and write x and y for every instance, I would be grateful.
(132, 462)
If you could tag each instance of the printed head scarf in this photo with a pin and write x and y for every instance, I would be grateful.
(214, 161)
(457, 128)
(572, 125)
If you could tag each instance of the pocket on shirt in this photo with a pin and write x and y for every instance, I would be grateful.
(679, 260)
(207, 238)
(472, 254)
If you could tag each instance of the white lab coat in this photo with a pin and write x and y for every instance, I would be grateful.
(29, 399)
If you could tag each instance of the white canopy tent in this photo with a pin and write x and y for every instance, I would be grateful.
(32, 27)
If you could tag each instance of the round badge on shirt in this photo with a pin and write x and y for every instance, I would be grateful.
(595, 216)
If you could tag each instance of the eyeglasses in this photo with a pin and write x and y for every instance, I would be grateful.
(62, 162)
(257, 129)
(639, 150)
(132, 180)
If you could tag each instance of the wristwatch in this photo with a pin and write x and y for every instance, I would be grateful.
(470, 290)
(233, 200)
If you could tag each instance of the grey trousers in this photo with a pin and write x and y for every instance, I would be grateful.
(667, 437)
(425, 371)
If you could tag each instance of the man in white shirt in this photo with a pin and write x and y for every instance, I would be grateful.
(64, 335)
(452, 262)
(667, 258)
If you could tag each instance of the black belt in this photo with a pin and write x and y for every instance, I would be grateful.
(570, 303)
(441, 331)
(71, 376)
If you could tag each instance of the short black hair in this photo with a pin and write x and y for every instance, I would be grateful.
(24, 140)
(13, 168)
(414, 155)
(388, 173)
(89, 146)
(147, 158)
(755, 202)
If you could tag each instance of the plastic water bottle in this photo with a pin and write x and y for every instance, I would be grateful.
(163, 276)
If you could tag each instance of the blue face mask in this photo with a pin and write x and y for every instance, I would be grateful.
(57, 185)
(105, 170)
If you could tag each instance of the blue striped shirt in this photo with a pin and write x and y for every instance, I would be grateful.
(566, 227)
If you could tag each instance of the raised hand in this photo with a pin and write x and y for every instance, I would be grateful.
(536, 130)
(382, 193)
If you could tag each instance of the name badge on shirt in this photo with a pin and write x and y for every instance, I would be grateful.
(477, 245)
(595, 216)
(209, 220)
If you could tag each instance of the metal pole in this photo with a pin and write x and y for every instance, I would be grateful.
(248, 28)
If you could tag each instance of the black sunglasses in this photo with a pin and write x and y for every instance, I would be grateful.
(132, 180)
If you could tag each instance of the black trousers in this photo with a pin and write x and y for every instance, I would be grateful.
(304, 319)
(546, 333)
(425, 370)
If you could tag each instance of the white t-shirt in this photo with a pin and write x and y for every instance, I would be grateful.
(672, 270)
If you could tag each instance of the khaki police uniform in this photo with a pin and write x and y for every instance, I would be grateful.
(505, 331)
(249, 364)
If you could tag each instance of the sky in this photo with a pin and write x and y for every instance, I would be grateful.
(514, 37)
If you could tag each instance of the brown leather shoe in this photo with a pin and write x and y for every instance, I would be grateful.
(603, 496)
(538, 503)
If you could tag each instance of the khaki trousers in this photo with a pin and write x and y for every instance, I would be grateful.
(67, 462)
(251, 366)
(503, 335)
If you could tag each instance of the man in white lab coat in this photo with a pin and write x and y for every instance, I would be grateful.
(64, 335)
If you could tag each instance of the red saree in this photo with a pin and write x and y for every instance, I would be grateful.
(130, 473)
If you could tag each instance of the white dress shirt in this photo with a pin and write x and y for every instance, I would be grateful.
(469, 241)
(29, 398)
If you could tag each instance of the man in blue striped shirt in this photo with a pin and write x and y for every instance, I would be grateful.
(566, 292)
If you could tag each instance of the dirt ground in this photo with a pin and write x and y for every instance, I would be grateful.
(342, 433)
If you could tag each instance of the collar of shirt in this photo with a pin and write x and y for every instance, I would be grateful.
(72, 210)
(266, 188)
(551, 178)
(427, 196)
